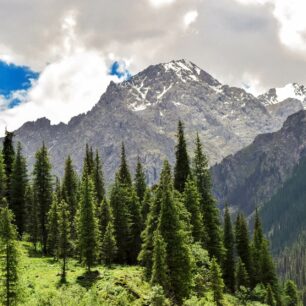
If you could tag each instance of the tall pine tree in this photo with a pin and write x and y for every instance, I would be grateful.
(210, 212)
(119, 201)
(2, 180)
(124, 175)
(64, 242)
(87, 223)
(192, 200)
(229, 258)
(70, 191)
(182, 169)
(98, 178)
(18, 183)
(243, 244)
(216, 282)
(140, 181)
(8, 158)
(9, 257)
(53, 229)
(108, 245)
(42, 187)
(171, 228)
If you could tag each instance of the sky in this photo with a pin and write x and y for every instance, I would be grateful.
(58, 57)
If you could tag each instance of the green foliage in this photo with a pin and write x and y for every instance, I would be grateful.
(291, 294)
(89, 162)
(70, 191)
(119, 201)
(98, 178)
(140, 181)
(135, 227)
(8, 153)
(172, 230)
(192, 200)
(216, 282)
(270, 300)
(87, 223)
(242, 277)
(2, 179)
(108, 246)
(42, 187)
(160, 272)
(124, 175)
(209, 209)
(229, 258)
(182, 168)
(104, 215)
(243, 244)
(157, 297)
(53, 226)
(9, 258)
(146, 205)
(64, 242)
(18, 189)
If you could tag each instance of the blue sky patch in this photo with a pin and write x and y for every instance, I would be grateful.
(119, 69)
(13, 77)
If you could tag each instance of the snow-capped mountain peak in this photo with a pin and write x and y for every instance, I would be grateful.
(289, 91)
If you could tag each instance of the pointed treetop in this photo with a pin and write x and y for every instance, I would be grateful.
(124, 175)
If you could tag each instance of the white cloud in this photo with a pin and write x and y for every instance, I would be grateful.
(66, 88)
(190, 17)
(160, 3)
(291, 18)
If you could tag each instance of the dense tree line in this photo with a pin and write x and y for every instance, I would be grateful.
(173, 229)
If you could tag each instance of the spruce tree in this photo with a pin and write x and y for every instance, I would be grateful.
(119, 201)
(182, 169)
(267, 266)
(58, 189)
(192, 200)
(210, 212)
(53, 226)
(108, 246)
(135, 227)
(229, 258)
(98, 178)
(89, 160)
(87, 223)
(243, 244)
(216, 282)
(146, 253)
(70, 191)
(291, 293)
(257, 246)
(146, 205)
(160, 271)
(270, 300)
(32, 223)
(8, 158)
(2, 180)
(104, 215)
(124, 175)
(9, 257)
(242, 277)
(140, 181)
(171, 228)
(64, 242)
(18, 189)
(42, 187)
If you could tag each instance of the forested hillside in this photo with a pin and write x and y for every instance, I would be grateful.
(129, 245)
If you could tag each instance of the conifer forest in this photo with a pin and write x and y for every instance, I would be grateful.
(80, 240)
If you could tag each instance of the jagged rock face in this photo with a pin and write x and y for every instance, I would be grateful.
(253, 175)
(143, 112)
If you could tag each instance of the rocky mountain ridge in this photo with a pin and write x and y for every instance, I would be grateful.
(143, 112)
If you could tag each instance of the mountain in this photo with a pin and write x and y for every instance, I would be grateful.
(143, 112)
(252, 176)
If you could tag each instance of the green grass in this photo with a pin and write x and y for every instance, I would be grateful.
(118, 285)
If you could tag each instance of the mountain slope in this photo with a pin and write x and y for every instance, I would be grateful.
(144, 111)
(253, 175)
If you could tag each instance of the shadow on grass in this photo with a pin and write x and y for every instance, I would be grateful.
(88, 279)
